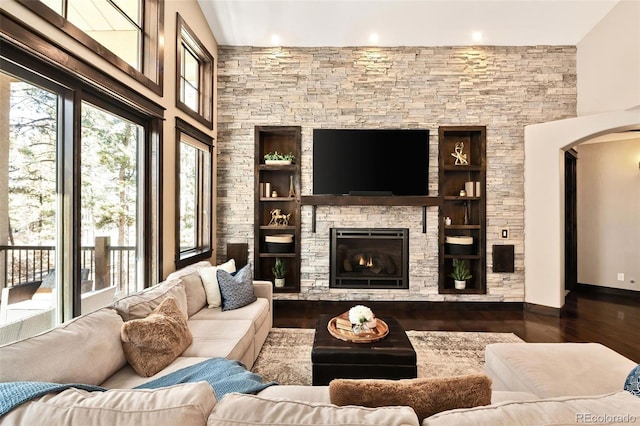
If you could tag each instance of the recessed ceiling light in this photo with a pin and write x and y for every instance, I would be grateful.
(275, 39)
(373, 38)
(476, 36)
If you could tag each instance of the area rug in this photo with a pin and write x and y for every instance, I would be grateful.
(286, 354)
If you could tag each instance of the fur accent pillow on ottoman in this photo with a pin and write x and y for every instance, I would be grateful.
(426, 396)
(152, 343)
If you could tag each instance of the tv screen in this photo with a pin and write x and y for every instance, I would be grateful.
(370, 162)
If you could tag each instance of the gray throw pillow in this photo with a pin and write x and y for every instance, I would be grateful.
(236, 289)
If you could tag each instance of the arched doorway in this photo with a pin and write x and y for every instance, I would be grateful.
(545, 146)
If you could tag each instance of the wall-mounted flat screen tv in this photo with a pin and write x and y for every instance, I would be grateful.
(370, 162)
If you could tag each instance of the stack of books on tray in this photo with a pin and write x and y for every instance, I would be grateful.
(343, 323)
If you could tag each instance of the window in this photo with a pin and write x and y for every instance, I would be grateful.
(124, 32)
(194, 73)
(194, 154)
(110, 165)
(79, 189)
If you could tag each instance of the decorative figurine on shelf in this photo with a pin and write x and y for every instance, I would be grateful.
(461, 159)
(292, 191)
(278, 218)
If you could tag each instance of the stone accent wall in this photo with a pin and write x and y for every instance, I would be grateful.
(503, 88)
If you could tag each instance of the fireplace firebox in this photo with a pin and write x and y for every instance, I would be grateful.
(369, 258)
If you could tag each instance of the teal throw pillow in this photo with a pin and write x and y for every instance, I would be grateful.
(236, 289)
(632, 384)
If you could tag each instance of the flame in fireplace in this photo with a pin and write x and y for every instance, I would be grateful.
(365, 263)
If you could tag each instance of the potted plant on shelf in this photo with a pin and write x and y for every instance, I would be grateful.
(279, 271)
(278, 158)
(460, 274)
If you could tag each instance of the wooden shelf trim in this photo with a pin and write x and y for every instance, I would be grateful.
(279, 168)
(462, 227)
(280, 199)
(278, 255)
(360, 200)
(459, 198)
(469, 168)
(278, 227)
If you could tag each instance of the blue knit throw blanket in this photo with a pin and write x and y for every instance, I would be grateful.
(224, 376)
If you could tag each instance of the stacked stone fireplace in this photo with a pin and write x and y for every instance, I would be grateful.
(367, 258)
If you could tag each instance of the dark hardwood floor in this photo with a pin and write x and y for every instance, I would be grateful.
(611, 320)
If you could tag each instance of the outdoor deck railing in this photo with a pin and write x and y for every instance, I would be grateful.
(20, 264)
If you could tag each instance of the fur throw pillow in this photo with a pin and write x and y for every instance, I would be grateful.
(152, 343)
(426, 396)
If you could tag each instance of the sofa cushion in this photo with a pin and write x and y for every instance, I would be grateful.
(84, 350)
(237, 290)
(127, 378)
(141, 304)
(228, 339)
(298, 393)
(152, 343)
(239, 409)
(184, 404)
(632, 383)
(210, 281)
(192, 284)
(258, 312)
(615, 408)
(426, 396)
(557, 369)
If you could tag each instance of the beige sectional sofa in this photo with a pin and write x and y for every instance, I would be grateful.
(532, 384)
(88, 349)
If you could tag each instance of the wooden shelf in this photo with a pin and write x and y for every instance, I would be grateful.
(363, 200)
(279, 199)
(462, 256)
(448, 290)
(469, 168)
(452, 179)
(280, 168)
(462, 227)
(423, 201)
(282, 139)
(459, 198)
(268, 255)
(278, 227)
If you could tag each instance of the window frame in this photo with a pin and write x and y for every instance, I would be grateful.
(201, 251)
(38, 55)
(152, 50)
(206, 62)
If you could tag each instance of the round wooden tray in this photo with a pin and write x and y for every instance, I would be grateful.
(379, 332)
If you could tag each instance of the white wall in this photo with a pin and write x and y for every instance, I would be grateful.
(609, 213)
(544, 146)
(608, 62)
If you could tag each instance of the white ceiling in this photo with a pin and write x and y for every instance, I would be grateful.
(308, 23)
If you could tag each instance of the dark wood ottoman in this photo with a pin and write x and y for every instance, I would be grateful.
(390, 358)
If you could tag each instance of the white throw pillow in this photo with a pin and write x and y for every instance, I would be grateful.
(210, 281)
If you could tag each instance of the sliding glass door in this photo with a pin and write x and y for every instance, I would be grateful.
(79, 197)
(30, 133)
